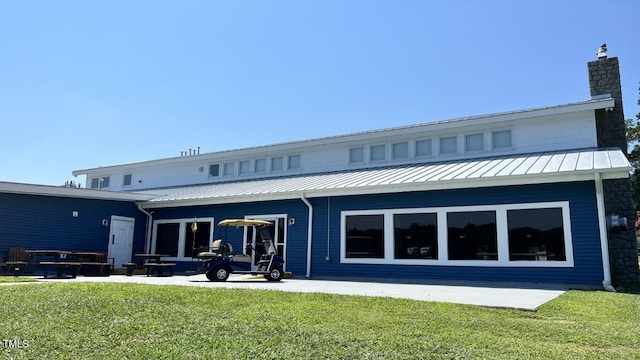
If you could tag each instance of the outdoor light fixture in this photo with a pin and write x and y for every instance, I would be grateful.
(292, 221)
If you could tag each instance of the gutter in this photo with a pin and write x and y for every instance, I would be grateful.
(147, 245)
(604, 240)
(309, 234)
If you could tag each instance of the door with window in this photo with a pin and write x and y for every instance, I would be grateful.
(278, 233)
(121, 240)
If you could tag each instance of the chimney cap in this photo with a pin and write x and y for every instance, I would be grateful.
(602, 52)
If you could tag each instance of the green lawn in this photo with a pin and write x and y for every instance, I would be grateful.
(130, 321)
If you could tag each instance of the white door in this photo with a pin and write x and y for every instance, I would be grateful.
(121, 240)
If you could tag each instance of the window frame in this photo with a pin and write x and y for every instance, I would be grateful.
(184, 222)
(443, 256)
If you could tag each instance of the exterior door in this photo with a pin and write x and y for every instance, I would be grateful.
(121, 240)
(278, 234)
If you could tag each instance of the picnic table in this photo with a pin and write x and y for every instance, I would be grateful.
(68, 264)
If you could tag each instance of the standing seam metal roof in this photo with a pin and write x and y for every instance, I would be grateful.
(559, 166)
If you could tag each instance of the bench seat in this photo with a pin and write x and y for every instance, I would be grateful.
(158, 268)
(89, 268)
(61, 267)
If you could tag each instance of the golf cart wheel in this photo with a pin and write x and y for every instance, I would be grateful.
(219, 273)
(275, 274)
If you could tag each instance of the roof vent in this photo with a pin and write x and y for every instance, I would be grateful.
(602, 52)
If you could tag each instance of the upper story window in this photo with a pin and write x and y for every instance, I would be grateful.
(214, 170)
(424, 148)
(229, 169)
(244, 167)
(378, 153)
(356, 155)
(449, 145)
(501, 139)
(277, 164)
(474, 142)
(126, 181)
(260, 166)
(293, 162)
(400, 151)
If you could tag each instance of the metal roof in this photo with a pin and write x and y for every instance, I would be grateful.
(558, 166)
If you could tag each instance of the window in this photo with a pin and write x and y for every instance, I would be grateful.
(214, 170)
(415, 236)
(356, 155)
(127, 180)
(423, 148)
(176, 238)
(198, 240)
(400, 151)
(474, 142)
(365, 236)
(244, 167)
(229, 169)
(104, 182)
(95, 183)
(260, 166)
(277, 163)
(472, 235)
(536, 234)
(167, 238)
(294, 162)
(448, 145)
(502, 235)
(501, 139)
(378, 153)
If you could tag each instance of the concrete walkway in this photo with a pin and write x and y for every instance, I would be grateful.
(499, 295)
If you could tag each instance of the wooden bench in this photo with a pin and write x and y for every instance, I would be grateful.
(159, 267)
(89, 268)
(61, 267)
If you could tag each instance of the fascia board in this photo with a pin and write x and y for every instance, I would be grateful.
(61, 191)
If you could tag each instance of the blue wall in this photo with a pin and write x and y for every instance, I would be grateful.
(296, 234)
(586, 242)
(46, 222)
(581, 197)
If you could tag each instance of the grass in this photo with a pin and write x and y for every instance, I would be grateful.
(15, 279)
(132, 321)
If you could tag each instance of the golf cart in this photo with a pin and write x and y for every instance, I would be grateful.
(222, 261)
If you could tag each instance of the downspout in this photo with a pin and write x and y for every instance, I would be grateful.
(309, 234)
(147, 244)
(604, 240)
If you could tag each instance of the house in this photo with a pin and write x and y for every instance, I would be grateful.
(536, 195)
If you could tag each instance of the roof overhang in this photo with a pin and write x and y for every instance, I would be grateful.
(69, 192)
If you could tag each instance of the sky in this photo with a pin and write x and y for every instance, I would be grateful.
(85, 84)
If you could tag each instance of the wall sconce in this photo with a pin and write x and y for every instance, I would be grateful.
(292, 221)
(74, 213)
(105, 222)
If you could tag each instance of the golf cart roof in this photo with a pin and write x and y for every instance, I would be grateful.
(243, 222)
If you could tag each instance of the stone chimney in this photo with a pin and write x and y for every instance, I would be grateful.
(604, 79)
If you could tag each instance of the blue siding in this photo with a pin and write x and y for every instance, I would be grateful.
(586, 242)
(46, 222)
(296, 234)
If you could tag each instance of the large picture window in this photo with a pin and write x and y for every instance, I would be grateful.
(472, 235)
(415, 236)
(507, 235)
(536, 234)
(167, 237)
(365, 236)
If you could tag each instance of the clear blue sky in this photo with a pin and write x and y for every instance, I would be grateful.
(92, 83)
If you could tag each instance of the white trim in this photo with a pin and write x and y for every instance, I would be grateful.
(501, 228)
